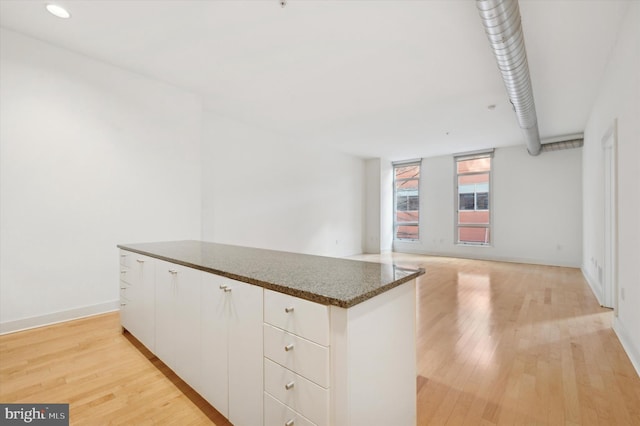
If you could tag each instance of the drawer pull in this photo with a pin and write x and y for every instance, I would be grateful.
(227, 290)
(289, 347)
(289, 385)
(123, 255)
(123, 272)
(123, 288)
(173, 271)
(223, 286)
(140, 260)
(289, 423)
(288, 310)
(123, 305)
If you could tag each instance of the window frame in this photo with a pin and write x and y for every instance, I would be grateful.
(396, 223)
(456, 209)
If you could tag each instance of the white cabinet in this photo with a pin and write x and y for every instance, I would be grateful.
(373, 360)
(264, 358)
(177, 342)
(232, 365)
(298, 316)
(307, 358)
(297, 360)
(326, 365)
(137, 296)
(300, 394)
(214, 379)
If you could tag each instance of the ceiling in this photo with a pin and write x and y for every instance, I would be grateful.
(395, 79)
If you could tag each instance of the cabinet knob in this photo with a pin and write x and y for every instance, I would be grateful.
(289, 385)
(227, 290)
(289, 423)
(289, 309)
(173, 271)
(289, 347)
(140, 260)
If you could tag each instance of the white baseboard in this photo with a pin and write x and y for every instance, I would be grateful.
(529, 261)
(56, 317)
(595, 288)
(633, 352)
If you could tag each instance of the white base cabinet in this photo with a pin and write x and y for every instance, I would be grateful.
(262, 357)
(326, 365)
(137, 296)
(178, 319)
(231, 378)
(373, 360)
(214, 380)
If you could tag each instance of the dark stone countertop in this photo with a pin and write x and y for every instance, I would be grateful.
(326, 280)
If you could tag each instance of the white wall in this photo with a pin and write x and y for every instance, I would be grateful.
(262, 190)
(618, 97)
(91, 156)
(536, 208)
(372, 206)
(386, 205)
(378, 237)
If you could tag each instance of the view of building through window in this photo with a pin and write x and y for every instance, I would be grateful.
(473, 224)
(406, 201)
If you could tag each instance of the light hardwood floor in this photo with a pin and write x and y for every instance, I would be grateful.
(498, 344)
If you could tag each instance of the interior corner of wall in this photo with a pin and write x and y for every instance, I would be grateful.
(595, 288)
(631, 348)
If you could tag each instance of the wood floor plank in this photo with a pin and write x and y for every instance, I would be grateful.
(544, 350)
(498, 344)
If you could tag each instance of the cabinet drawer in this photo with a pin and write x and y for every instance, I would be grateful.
(278, 414)
(125, 274)
(124, 287)
(302, 356)
(126, 257)
(296, 392)
(298, 316)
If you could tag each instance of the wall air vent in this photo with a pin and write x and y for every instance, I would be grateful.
(560, 145)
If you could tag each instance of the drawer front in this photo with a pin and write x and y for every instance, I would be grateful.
(124, 287)
(278, 414)
(298, 316)
(296, 392)
(302, 356)
(126, 257)
(125, 274)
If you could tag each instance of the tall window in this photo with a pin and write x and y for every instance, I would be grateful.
(473, 206)
(406, 195)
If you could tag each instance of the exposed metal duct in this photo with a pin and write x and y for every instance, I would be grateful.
(501, 21)
(563, 142)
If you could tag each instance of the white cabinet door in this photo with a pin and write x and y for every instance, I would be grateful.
(178, 319)
(214, 379)
(245, 353)
(231, 378)
(165, 315)
(138, 310)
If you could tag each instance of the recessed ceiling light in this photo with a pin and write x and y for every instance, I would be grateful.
(58, 11)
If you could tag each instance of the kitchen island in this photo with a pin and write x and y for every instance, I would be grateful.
(277, 338)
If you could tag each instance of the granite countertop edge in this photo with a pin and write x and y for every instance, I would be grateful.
(307, 295)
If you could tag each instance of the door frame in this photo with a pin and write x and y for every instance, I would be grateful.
(610, 204)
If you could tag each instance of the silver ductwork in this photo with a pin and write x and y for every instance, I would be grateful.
(501, 21)
(559, 143)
